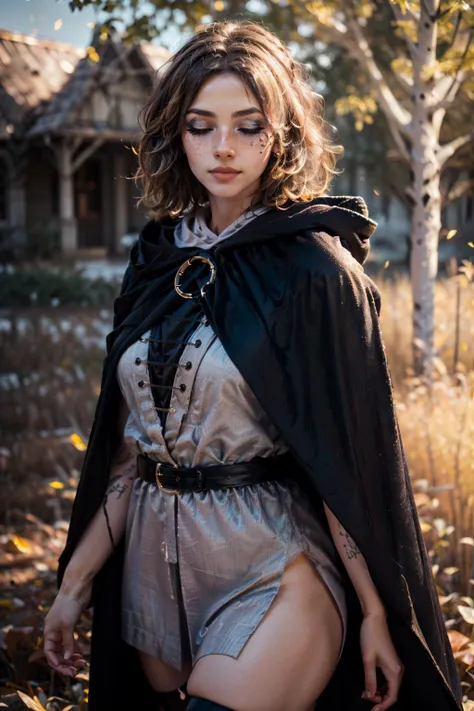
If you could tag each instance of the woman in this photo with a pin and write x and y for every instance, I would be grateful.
(245, 438)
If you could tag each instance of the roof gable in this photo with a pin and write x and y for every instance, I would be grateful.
(32, 71)
(46, 86)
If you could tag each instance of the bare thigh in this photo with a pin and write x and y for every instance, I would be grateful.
(288, 660)
(161, 676)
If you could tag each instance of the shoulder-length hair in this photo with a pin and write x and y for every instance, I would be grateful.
(306, 161)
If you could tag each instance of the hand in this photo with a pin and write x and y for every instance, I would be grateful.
(378, 650)
(59, 632)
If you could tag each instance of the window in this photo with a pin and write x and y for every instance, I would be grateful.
(88, 190)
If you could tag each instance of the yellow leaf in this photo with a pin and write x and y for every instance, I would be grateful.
(92, 54)
(408, 28)
(386, 264)
(471, 244)
(21, 544)
(29, 703)
(467, 613)
(451, 570)
(56, 484)
(8, 604)
(58, 24)
(451, 234)
(78, 442)
(425, 527)
(403, 4)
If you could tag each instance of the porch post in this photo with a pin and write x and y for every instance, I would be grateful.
(66, 201)
(120, 199)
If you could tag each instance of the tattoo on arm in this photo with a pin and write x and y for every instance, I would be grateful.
(115, 485)
(350, 546)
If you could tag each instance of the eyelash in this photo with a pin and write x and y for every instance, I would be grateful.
(201, 131)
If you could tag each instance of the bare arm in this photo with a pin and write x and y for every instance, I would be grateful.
(356, 567)
(95, 545)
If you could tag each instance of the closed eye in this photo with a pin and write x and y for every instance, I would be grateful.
(200, 131)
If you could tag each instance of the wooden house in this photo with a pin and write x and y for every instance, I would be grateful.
(68, 121)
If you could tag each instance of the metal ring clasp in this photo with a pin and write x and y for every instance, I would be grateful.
(160, 485)
(182, 269)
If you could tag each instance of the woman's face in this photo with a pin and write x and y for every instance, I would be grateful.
(225, 128)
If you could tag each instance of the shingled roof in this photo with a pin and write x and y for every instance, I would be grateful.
(43, 81)
(32, 71)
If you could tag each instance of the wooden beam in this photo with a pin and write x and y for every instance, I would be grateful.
(86, 153)
(120, 199)
(66, 201)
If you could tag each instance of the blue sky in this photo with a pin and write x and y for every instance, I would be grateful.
(38, 17)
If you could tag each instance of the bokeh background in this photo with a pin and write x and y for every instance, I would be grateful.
(73, 76)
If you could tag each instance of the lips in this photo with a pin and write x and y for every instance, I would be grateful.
(225, 171)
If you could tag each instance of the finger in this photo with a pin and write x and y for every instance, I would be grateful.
(52, 652)
(393, 680)
(68, 641)
(78, 664)
(65, 670)
(370, 678)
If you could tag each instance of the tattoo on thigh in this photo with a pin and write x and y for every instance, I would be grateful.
(349, 544)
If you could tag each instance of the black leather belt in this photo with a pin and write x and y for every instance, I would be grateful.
(173, 480)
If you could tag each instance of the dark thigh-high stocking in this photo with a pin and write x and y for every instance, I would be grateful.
(197, 704)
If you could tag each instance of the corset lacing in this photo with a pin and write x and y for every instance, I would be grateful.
(166, 343)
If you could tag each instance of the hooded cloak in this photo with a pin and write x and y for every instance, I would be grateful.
(299, 317)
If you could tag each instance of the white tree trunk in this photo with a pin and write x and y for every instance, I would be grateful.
(425, 193)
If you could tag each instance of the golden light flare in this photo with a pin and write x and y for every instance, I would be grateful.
(78, 442)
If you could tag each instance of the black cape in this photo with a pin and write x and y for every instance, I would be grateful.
(299, 317)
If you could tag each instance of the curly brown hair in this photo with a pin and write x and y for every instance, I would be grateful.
(307, 158)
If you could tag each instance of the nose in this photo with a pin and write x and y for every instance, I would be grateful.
(223, 145)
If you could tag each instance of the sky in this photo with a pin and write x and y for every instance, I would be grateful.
(39, 17)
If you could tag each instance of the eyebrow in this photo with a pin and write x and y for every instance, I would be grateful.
(243, 112)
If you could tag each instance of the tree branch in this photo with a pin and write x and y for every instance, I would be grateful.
(400, 17)
(449, 149)
(398, 118)
(461, 188)
(445, 96)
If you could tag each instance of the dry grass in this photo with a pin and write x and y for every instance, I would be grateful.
(49, 378)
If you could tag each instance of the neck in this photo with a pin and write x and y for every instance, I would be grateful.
(222, 213)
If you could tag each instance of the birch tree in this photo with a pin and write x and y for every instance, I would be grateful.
(433, 72)
(437, 64)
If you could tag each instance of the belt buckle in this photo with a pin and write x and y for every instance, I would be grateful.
(160, 485)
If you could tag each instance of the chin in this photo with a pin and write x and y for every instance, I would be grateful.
(227, 189)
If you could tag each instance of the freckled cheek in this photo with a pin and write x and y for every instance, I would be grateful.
(195, 147)
(261, 147)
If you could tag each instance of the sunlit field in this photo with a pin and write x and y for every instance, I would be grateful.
(50, 369)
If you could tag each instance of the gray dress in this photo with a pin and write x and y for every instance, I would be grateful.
(202, 568)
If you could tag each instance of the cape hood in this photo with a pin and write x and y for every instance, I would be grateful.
(299, 319)
(345, 217)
